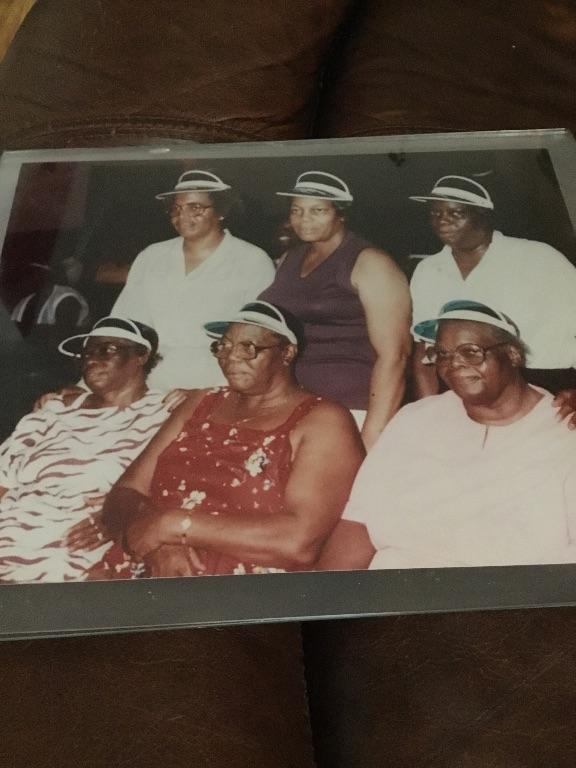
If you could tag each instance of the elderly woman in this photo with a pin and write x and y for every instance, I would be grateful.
(483, 474)
(243, 479)
(60, 460)
(177, 285)
(353, 301)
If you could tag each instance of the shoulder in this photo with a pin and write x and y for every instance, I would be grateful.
(325, 414)
(152, 401)
(151, 252)
(374, 264)
(534, 250)
(328, 429)
(372, 258)
(71, 399)
(195, 398)
(432, 262)
(547, 413)
(248, 250)
(428, 410)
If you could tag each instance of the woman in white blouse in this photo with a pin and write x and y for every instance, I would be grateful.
(177, 285)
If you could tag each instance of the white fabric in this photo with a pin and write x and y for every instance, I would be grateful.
(440, 490)
(53, 461)
(159, 293)
(531, 282)
(359, 417)
(47, 313)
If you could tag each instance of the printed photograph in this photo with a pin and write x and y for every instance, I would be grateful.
(272, 364)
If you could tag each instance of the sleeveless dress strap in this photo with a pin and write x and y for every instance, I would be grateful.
(300, 412)
(210, 400)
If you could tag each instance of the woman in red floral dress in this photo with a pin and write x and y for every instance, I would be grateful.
(249, 478)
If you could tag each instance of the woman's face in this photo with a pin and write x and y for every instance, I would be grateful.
(457, 225)
(255, 375)
(110, 364)
(483, 383)
(315, 221)
(193, 215)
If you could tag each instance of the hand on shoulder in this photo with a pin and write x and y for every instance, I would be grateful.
(182, 402)
(66, 395)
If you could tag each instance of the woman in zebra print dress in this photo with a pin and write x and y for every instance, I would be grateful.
(60, 461)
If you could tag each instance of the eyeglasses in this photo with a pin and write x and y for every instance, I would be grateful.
(195, 210)
(105, 350)
(316, 211)
(469, 354)
(451, 214)
(245, 350)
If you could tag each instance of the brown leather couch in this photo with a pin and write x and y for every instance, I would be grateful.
(476, 690)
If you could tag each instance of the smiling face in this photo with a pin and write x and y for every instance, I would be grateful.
(255, 376)
(110, 364)
(460, 226)
(315, 221)
(482, 384)
(189, 225)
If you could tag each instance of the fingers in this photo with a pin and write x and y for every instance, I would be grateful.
(88, 534)
(172, 560)
(175, 397)
(565, 402)
(193, 559)
(95, 501)
(161, 567)
(563, 411)
(41, 402)
(562, 397)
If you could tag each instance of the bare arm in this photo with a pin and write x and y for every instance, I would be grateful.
(425, 377)
(348, 549)
(327, 453)
(128, 498)
(383, 291)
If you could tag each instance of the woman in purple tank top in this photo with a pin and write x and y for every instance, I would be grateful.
(352, 300)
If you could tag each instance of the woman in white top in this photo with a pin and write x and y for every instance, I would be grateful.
(177, 285)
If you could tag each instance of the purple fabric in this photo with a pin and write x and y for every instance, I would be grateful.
(337, 358)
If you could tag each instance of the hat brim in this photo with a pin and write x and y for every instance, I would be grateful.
(72, 346)
(446, 199)
(317, 196)
(174, 192)
(217, 328)
(426, 330)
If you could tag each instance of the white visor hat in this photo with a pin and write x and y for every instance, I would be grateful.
(458, 189)
(114, 327)
(464, 309)
(259, 313)
(196, 181)
(320, 185)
